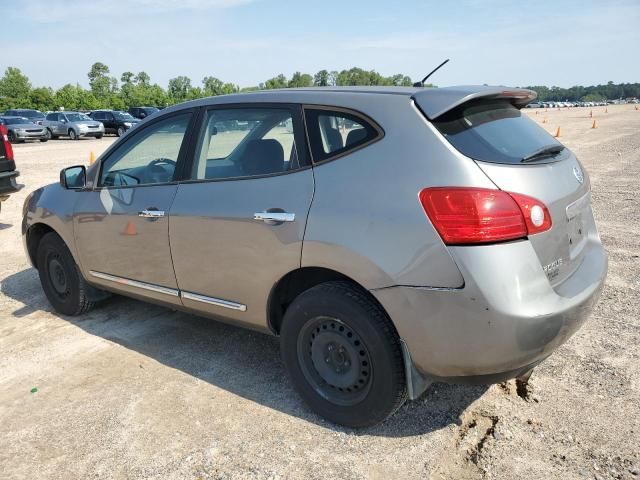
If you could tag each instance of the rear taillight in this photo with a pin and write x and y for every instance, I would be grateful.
(8, 151)
(463, 215)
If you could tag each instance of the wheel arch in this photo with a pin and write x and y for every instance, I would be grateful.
(298, 281)
(34, 236)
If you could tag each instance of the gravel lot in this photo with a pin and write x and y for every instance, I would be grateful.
(138, 391)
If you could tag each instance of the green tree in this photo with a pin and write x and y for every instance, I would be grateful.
(41, 98)
(322, 79)
(99, 80)
(14, 89)
(127, 77)
(276, 82)
(143, 79)
(179, 88)
(300, 80)
(213, 86)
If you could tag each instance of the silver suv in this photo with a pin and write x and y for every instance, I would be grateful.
(73, 125)
(391, 237)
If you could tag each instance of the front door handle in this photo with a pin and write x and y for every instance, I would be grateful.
(151, 213)
(274, 217)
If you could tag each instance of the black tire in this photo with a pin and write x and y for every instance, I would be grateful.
(43, 140)
(73, 135)
(98, 137)
(343, 355)
(50, 135)
(120, 131)
(11, 137)
(64, 286)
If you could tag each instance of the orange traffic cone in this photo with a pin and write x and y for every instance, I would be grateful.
(595, 125)
(130, 229)
(557, 135)
(92, 157)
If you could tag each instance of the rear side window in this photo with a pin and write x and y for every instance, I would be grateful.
(334, 133)
(495, 132)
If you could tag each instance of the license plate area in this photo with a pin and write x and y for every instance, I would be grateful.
(576, 233)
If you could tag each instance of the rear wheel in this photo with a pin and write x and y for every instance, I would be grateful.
(73, 135)
(343, 355)
(64, 286)
(99, 136)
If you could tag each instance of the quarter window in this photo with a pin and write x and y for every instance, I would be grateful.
(246, 142)
(333, 133)
(149, 157)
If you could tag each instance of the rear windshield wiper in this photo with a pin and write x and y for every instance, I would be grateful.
(548, 151)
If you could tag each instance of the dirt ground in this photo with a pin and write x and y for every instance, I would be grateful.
(132, 390)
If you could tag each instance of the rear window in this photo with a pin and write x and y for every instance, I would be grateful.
(335, 133)
(495, 132)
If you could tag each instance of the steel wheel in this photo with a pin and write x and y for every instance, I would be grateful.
(334, 361)
(120, 131)
(73, 135)
(57, 275)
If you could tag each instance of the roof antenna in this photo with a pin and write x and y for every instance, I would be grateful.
(421, 83)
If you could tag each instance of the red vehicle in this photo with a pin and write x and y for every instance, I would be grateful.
(8, 172)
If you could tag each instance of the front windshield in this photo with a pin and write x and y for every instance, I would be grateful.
(77, 117)
(16, 120)
(32, 114)
(123, 116)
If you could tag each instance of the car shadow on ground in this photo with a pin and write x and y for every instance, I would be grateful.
(240, 361)
(4, 226)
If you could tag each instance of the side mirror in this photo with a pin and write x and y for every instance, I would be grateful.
(73, 178)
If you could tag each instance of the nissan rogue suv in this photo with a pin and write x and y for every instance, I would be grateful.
(391, 237)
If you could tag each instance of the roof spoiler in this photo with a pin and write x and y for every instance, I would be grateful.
(435, 102)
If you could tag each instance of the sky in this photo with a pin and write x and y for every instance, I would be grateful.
(547, 42)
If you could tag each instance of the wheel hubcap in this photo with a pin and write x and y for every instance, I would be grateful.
(334, 360)
(57, 276)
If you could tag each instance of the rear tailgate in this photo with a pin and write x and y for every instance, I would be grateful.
(487, 126)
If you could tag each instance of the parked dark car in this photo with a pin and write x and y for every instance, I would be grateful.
(35, 116)
(142, 112)
(114, 121)
(20, 129)
(8, 173)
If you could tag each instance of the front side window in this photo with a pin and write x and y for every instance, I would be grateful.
(149, 157)
(335, 133)
(246, 142)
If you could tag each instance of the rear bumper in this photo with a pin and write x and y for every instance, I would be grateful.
(8, 183)
(506, 319)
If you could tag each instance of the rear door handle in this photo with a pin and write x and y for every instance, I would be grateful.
(274, 217)
(151, 213)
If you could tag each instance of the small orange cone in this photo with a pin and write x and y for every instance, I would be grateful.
(130, 229)
(92, 157)
(595, 125)
(557, 135)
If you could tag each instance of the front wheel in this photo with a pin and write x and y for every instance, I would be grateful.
(120, 131)
(64, 286)
(73, 135)
(99, 136)
(343, 355)
(11, 137)
(43, 140)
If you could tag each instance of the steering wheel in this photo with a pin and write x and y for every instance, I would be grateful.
(156, 171)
